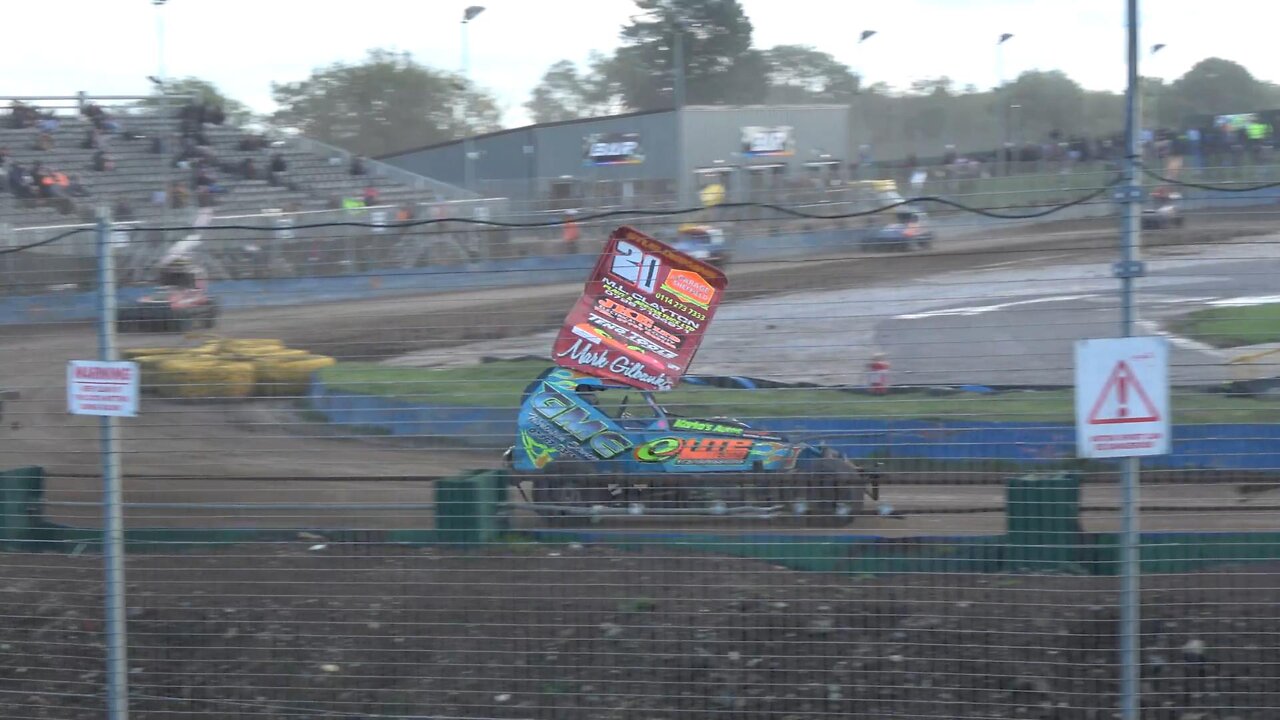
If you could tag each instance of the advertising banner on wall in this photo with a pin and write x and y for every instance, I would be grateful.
(774, 141)
(612, 149)
(641, 315)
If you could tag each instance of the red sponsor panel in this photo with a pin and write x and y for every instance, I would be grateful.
(642, 313)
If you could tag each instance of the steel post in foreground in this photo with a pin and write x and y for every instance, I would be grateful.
(113, 518)
(1129, 270)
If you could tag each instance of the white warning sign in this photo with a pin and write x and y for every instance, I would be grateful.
(1122, 397)
(102, 388)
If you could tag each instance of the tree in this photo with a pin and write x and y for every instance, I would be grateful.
(383, 105)
(200, 91)
(939, 87)
(800, 74)
(566, 93)
(1048, 100)
(720, 65)
(1215, 86)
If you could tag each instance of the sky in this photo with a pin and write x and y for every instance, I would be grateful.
(111, 46)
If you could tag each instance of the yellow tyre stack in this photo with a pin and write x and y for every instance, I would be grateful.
(153, 378)
(227, 368)
(288, 375)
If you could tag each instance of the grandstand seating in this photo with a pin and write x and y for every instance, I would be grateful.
(313, 180)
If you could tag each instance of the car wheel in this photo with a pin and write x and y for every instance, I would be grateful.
(568, 483)
(838, 494)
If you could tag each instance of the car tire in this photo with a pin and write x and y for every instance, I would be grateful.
(567, 483)
(840, 491)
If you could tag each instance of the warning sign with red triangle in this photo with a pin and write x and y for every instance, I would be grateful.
(1123, 400)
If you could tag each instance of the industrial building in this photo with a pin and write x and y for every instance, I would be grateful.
(660, 157)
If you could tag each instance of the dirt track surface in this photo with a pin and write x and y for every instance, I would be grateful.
(383, 328)
(268, 439)
(591, 633)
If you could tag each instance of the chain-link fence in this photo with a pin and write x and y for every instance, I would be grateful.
(865, 499)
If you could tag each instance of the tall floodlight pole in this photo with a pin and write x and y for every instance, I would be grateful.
(684, 194)
(159, 6)
(1003, 100)
(1129, 270)
(467, 151)
(1155, 96)
(854, 146)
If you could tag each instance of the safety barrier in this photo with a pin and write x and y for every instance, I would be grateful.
(1043, 534)
(1218, 446)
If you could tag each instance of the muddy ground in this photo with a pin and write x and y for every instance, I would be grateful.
(591, 633)
(533, 631)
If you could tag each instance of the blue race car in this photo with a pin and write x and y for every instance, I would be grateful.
(586, 454)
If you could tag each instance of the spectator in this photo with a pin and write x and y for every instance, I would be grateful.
(21, 115)
(370, 196)
(102, 162)
(357, 165)
(205, 182)
(47, 186)
(203, 179)
(21, 183)
(123, 211)
(252, 142)
(77, 189)
(59, 184)
(248, 169)
(96, 115)
(44, 141)
(15, 176)
(179, 196)
(275, 174)
(4, 155)
(92, 140)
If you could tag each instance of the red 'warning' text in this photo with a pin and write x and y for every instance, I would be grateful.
(94, 372)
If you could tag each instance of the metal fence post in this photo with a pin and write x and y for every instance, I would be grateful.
(1128, 270)
(113, 520)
